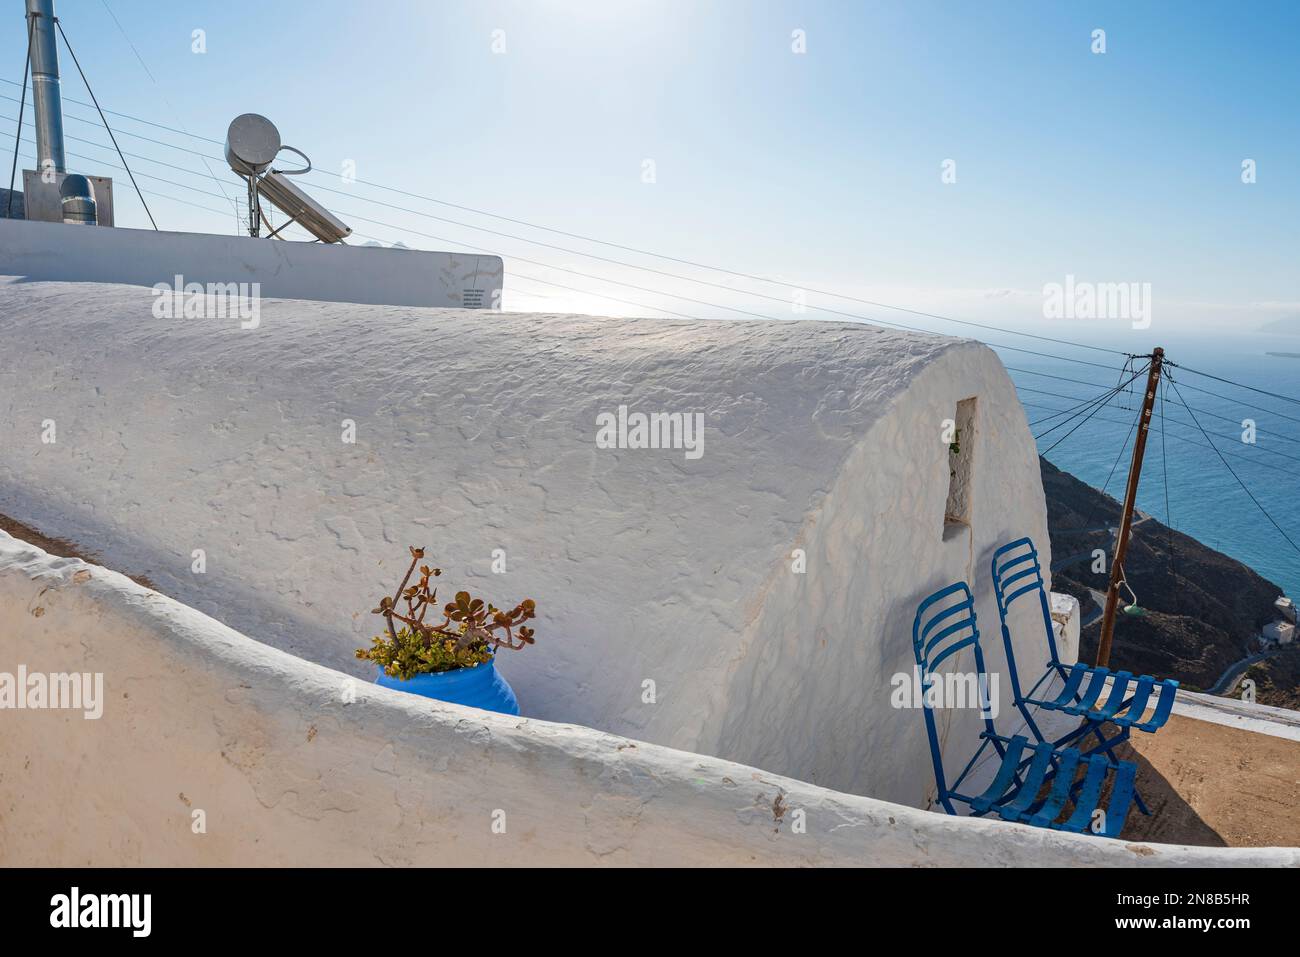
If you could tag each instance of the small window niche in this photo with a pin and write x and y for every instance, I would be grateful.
(961, 459)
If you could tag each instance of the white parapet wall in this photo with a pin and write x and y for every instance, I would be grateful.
(214, 749)
(286, 270)
(1067, 620)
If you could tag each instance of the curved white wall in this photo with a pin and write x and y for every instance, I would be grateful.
(200, 718)
(811, 693)
(475, 432)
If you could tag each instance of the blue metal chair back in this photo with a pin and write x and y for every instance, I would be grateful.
(1016, 574)
(944, 625)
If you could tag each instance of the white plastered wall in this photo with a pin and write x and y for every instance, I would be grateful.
(812, 692)
(298, 270)
(287, 772)
(476, 432)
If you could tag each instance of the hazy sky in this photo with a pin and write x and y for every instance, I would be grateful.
(821, 168)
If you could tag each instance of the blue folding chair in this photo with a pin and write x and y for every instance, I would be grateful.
(944, 625)
(1017, 573)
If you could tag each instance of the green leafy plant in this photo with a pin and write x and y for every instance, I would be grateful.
(469, 634)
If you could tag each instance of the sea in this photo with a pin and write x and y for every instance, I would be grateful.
(1184, 482)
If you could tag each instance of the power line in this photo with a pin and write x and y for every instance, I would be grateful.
(699, 302)
(1174, 421)
(154, 81)
(1103, 398)
(680, 315)
(1119, 455)
(1222, 459)
(706, 266)
(105, 163)
(677, 276)
(137, 119)
(641, 288)
(1233, 439)
(1164, 461)
(1097, 408)
(1056, 395)
(77, 63)
(1083, 404)
(1239, 385)
(138, 136)
(106, 146)
(13, 170)
(1228, 398)
(1279, 435)
(1164, 399)
(639, 251)
(1177, 438)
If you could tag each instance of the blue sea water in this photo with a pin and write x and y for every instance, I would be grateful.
(1204, 499)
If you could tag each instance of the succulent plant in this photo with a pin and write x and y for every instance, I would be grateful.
(469, 634)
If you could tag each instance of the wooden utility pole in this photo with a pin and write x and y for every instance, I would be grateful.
(1126, 519)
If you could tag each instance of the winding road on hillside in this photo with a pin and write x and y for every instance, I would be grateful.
(1098, 597)
(1235, 670)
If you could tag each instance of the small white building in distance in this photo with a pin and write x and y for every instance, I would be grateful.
(1279, 632)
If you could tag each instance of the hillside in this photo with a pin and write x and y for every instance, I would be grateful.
(1203, 609)
(1277, 680)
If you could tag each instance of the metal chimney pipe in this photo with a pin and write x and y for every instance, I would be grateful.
(46, 101)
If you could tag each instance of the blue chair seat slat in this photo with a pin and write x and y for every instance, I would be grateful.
(1086, 802)
(1015, 809)
(1118, 688)
(1072, 683)
(1137, 705)
(1006, 774)
(1163, 707)
(1090, 695)
(1067, 766)
(948, 652)
(1121, 798)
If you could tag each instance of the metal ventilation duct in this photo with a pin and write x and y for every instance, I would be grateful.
(46, 101)
(77, 196)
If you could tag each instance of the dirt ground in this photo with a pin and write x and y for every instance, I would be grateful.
(57, 546)
(1212, 785)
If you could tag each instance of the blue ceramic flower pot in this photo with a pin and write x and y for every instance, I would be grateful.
(479, 687)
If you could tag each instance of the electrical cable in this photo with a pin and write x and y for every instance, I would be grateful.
(1226, 465)
(13, 170)
(77, 63)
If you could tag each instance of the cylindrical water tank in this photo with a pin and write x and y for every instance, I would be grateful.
(77, 194)
(251, 144)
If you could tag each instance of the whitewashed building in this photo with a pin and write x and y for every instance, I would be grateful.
(721, 617)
